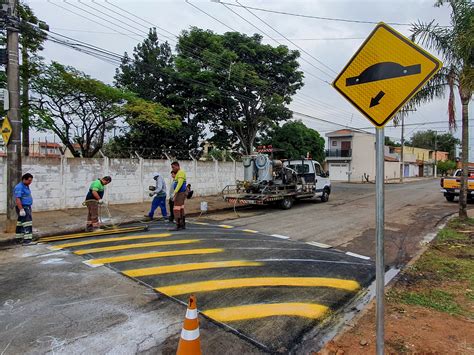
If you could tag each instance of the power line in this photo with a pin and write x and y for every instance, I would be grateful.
(311, 16)
(289, 40)
(260, 30)
(89, 19)
(215, 18)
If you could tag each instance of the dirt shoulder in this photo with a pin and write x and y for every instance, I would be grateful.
(430, 308)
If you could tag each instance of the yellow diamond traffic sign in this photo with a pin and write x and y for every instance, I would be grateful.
(6, 130)
(386, 71)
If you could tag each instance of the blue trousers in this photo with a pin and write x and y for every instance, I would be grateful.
(158, 201)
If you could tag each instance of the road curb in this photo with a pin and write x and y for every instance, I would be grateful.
(11, 240)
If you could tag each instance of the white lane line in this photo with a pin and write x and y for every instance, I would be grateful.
(315, 261)
(358, 255)
(280, 236)
(319, 245)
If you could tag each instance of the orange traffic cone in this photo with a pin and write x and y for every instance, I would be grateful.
(190, 343)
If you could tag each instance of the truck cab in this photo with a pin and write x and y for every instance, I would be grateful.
(450, 186)
(311, 173)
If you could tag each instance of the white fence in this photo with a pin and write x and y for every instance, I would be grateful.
(63, 183)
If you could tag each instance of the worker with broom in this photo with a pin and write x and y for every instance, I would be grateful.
(93, 200)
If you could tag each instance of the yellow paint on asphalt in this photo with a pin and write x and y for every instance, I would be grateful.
(106, 240)
(92, 234)
(200, 223)
(169, 269)
(255, 311)
(225, 226)
(134, 246)
(214, 285)
(249, 231)
(160, 254)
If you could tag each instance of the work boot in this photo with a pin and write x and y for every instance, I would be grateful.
(178, 225)
(29, 242)
(183, 222)
(148, 218)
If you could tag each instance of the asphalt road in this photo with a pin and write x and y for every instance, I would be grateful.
(54, 301)
(347, 221)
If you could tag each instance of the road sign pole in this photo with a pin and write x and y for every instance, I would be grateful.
(379, 242)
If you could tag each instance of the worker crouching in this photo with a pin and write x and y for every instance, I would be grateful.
(93, 200)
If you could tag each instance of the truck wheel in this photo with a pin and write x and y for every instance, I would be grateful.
(449, 198)
(286, 203)
(325, 196)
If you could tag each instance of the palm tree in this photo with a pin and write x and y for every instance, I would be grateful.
(455, 44)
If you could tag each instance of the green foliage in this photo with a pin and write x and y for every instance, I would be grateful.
(444, 167)
(296, 140)
(445, 142)
(81, 110)
(240, 86)
(436, 299)
(389, 142)
(150, 73)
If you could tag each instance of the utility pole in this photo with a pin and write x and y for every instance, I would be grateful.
(402, 161)
(436, 155)
(14, 146)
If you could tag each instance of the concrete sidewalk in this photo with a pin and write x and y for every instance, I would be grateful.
(74, 220)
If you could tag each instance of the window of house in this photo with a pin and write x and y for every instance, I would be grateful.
(334, 143)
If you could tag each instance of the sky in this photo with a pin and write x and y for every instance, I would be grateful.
(326, 45)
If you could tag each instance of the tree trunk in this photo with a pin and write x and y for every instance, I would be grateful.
(25, 102)
(465, 158)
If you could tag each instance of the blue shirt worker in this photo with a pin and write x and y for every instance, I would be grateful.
(23, 202)
(159, 199)
(93, 200)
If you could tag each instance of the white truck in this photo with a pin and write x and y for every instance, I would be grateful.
(281, 182)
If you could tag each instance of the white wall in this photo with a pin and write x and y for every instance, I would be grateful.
(63, 183)
(363, 156)
(392, 170)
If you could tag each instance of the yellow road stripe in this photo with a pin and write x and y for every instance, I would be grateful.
(200, 223)
(214, 285)
(249, 231)
(92, 234)
(254, 311)
(134, 246)
(105, 240)
(225, 226)
(168, 269)
(160, 254)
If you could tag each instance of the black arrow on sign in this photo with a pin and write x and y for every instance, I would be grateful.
(374, 101)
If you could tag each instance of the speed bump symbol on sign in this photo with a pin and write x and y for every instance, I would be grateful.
(385, 72)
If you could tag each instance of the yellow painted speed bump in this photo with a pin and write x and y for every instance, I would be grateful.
(94, 234)
(255, 311)
(160, 254)
(215, 285)
(225, 226)
(134, 246)
(106, 240)
(169, 269)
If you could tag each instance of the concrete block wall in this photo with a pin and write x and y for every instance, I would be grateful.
(63, 183)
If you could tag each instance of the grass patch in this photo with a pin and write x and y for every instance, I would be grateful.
(436, 299)
(443, 277)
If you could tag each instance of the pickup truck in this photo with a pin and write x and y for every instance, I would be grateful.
(450, 185)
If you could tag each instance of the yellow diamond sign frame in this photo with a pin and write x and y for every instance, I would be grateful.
(6, 130)
(386, 71)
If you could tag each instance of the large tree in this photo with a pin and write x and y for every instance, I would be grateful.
(151, 74)
(455, 44)
(429, 139)
(240, 86)
(296, 140)
(81, 110)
